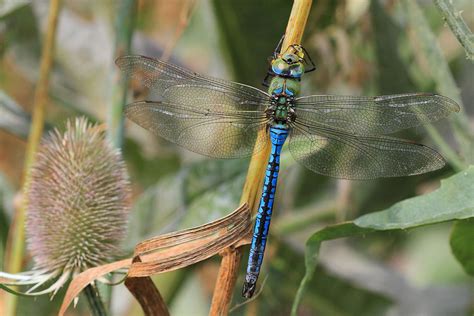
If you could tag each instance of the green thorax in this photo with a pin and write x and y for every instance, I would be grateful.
(286, 86)
(283, 92)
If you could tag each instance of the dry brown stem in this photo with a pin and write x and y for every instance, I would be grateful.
(253, 184)
(146, 293)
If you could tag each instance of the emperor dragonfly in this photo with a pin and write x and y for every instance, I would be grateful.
(336, 136)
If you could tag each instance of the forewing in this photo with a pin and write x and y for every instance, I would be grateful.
(343, 155)
(202, 130)
(373, 115)
(210, 116)
(161, 76)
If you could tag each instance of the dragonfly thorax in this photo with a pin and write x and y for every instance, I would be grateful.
(281, 109)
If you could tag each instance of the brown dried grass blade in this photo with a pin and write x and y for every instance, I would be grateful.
(86, 278)
(146, 293)
(171, 251)
(177, 250)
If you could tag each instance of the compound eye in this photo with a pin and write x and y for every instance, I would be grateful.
(296, 71)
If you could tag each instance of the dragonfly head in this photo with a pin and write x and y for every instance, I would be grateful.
(288, 65)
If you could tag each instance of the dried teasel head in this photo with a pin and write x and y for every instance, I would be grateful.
(78, 204)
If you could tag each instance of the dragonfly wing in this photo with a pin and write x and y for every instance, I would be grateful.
(338, 154)
(161, 76)
(374, 115)
(210, 116)
(212, 133)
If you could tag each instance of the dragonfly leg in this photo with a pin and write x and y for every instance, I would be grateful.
(270, 74)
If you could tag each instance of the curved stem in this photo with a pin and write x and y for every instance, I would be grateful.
(14, 255)
(458, 26)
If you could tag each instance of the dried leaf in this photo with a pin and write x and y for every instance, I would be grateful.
(171, 251)
(177, 250)
(87, 277)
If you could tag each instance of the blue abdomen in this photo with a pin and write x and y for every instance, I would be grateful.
(278, 136)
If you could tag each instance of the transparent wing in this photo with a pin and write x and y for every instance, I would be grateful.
(344, 155)
(161, 76)
(217, 134)
(209, 116)
(374, 115)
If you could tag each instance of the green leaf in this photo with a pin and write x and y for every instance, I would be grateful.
(312, 251)
(462, 245)
(453, 200)
(22, 32)
(212, 189)
(331, 295)
(245, 36)
(8, 7)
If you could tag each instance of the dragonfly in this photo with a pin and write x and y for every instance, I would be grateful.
(338, 136)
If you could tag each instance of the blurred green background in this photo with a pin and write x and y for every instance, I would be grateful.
(360, 47)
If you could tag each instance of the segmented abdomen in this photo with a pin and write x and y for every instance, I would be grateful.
(262, 223)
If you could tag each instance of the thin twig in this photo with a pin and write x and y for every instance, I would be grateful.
(256, 172)
(16, 243)
(458, 26)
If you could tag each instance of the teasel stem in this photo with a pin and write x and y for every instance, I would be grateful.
(16, 243)
(253, 184)
(96, 306)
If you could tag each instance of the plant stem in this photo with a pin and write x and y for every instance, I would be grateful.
(253, 184)
(458, 26)
(228, 272)
(16, 244)
(124, 25)
(296, 23)
(96, 306)
(445, 85)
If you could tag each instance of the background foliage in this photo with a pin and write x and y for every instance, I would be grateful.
(361, 47)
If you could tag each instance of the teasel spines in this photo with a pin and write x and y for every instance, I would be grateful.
(78, 200)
